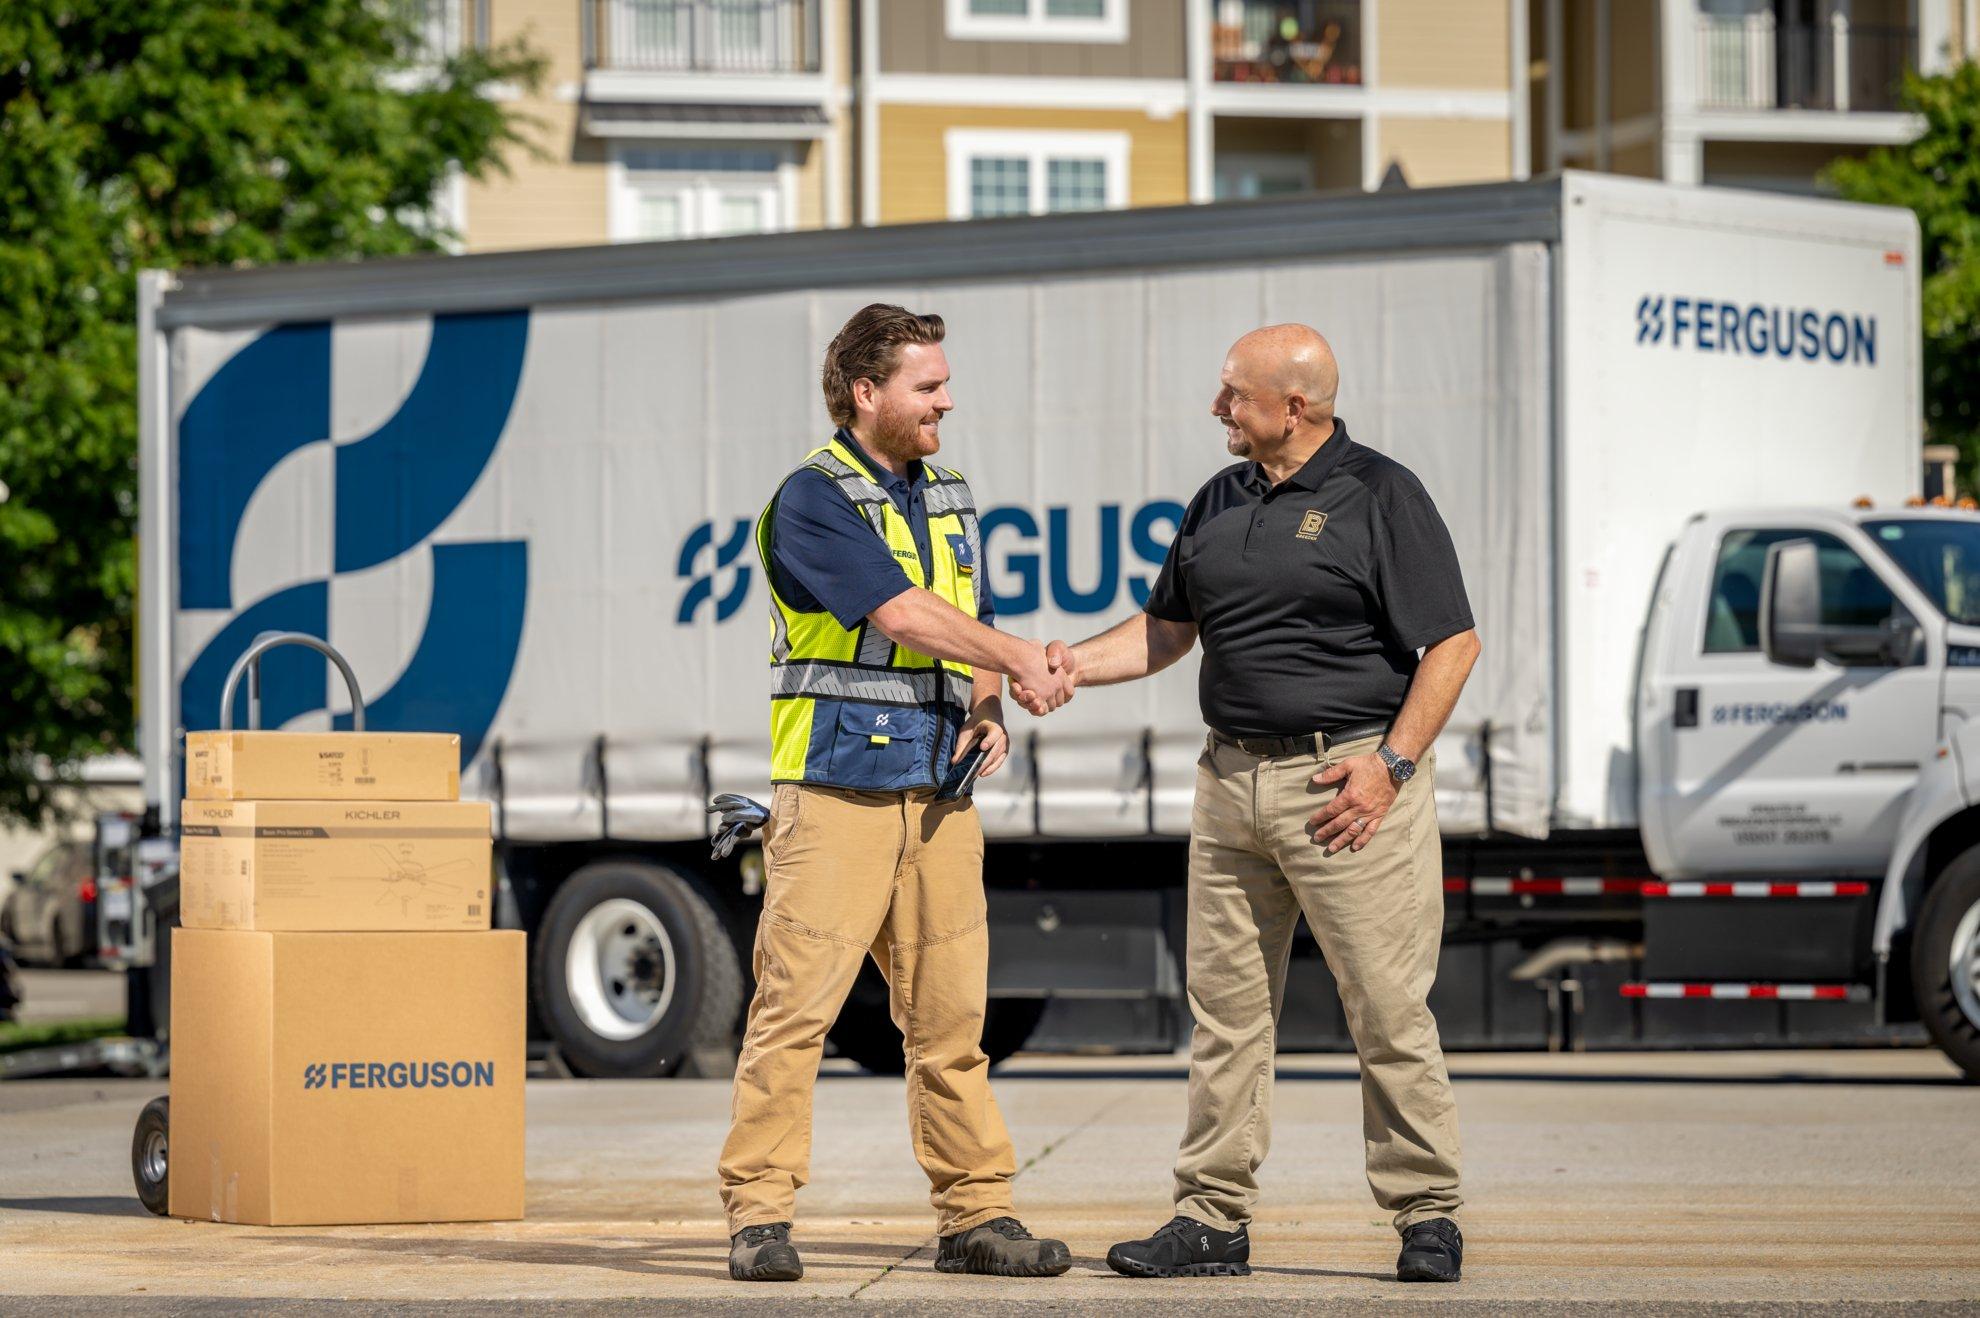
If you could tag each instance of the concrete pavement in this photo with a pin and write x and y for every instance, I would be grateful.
(1777, 1179)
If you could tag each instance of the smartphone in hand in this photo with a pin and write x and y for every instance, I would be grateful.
(962, 774)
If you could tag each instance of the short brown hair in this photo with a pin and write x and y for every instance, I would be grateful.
(868, 347)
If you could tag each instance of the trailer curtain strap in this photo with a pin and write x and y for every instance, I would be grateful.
(855, 682)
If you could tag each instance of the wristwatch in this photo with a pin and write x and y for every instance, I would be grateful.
(1400, 770)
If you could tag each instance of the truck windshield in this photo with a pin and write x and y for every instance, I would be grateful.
(1941, 555)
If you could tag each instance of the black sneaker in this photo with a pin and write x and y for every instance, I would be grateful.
(1432, 1250)
(764, 1253)
(1002, 1247)
(1184, 1248)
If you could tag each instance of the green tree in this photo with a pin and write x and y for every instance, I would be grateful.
(1937, 176)
(174, 133)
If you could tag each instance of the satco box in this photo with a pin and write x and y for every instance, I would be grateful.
(347, 1078)
(323, 766)
(334, 865)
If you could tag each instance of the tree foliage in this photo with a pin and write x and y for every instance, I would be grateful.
(1937, 176)
(174, 133)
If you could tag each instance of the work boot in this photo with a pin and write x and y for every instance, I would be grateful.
(764, 1253)
(1002, 1247)
(1432, 1250)
(1184, 1248)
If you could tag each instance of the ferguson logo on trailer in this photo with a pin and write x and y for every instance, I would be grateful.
(1754, 329)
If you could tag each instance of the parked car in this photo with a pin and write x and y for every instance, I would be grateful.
(50, 916)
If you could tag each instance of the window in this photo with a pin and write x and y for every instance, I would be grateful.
(698, 192)
(1853, 595)
(993, 173)
(1038, 20)
(1942, 558)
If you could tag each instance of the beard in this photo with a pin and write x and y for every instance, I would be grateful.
(897, 435)
(1236, 442)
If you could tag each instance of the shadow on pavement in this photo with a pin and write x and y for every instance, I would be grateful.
(93, 1205)
(696, 1257)
(1351, 1075)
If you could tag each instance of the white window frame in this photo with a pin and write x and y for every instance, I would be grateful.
(1033, 25)
(962, 145)
(700, 188)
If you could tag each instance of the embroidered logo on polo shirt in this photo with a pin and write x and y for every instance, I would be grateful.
(1309, 525)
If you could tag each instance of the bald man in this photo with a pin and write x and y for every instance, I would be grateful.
(1315, 571)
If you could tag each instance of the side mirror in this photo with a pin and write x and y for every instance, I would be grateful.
(1791, 604)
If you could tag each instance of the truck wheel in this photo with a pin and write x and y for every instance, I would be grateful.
(148, 1148)
(1945, 962)
(865, 1033)
(634, 971)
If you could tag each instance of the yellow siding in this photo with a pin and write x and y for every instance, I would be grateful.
(555, 196)
(914, 167)
(810, 186)
(1452, 45)
(1436, 151)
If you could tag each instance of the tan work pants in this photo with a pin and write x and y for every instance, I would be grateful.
(896, 875)
(1378, 916)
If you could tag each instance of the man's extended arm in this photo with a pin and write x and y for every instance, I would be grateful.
(1141, 645)
(923, 621)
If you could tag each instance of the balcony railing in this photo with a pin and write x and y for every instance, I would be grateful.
(1750, 62)
(702, 36)
(1317, 41)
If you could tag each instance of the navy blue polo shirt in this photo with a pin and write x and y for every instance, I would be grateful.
(824, 557)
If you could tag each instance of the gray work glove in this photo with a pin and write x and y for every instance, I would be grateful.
(740, 817)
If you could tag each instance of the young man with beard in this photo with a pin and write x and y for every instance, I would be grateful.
(885, 673)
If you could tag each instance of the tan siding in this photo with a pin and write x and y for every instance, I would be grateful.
(914, 39)
(914, 167)
(555, 197)
(1635, 37)
(1438, 151)
(810, 186)
(1453, 45)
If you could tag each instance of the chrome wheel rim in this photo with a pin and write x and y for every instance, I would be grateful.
(1963, 964)
(152, 1159)
(620, 969)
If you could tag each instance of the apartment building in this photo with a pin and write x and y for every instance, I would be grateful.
(1745, 93)
(686, 118)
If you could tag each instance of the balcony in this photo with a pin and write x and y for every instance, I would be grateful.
(1753, 62)
(743, 37)
(1316, 42)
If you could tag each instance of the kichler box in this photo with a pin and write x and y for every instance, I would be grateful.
(335, 865)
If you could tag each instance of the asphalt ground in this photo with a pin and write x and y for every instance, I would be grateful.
(1834, 1182)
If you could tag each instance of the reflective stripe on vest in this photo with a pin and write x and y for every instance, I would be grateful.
(849, 708)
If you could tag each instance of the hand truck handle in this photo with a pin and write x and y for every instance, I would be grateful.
(250, 664)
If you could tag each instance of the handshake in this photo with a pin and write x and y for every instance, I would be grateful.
(1047, 677)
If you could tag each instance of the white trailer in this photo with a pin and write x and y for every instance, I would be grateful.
(515, 490)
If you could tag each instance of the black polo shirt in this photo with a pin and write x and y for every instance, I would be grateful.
(1312, 596)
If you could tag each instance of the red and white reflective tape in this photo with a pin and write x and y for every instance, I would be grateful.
(1755, 889)
(1751, 992)
(1546, 887)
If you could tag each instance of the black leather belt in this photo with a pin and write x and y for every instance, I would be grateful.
(1307, 743)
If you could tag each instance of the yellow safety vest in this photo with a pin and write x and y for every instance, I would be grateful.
(848, 707)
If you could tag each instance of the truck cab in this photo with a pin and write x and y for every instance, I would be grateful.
(1808, 720)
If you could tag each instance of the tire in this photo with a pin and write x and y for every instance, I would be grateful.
(865, 1035)
(634, 971)
(1945, 962)
(149, 1145)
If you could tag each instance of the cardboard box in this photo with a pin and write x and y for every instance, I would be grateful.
(334, 865)
(347, 1078)
(323, 766)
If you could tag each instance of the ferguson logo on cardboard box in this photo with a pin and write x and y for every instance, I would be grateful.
(1752, 329)
(399, 1075)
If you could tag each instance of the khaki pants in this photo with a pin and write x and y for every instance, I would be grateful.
(898, 876)
(1378, 915)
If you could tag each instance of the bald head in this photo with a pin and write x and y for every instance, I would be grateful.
(1292, 359)
(1277, 395)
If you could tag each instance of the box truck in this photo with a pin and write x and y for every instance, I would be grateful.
(1710, 782)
